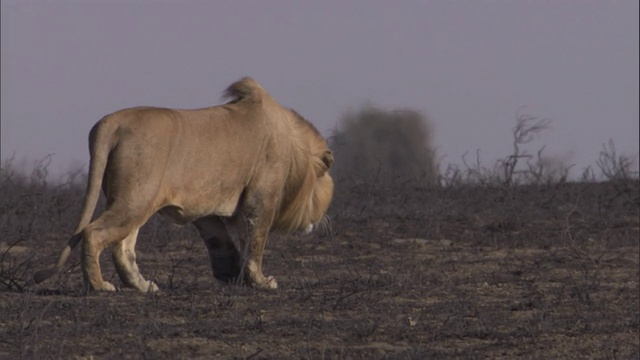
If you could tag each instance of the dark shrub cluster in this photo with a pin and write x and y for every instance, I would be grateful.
(376, 146)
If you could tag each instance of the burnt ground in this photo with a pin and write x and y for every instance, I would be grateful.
(548, 271)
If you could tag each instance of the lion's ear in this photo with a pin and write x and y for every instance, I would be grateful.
(322, 166)
(327, 159)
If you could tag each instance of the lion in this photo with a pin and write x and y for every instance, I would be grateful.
(237, 171)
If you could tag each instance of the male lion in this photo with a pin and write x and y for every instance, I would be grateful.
(237, 170)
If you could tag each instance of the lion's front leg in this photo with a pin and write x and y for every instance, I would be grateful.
(254, 241)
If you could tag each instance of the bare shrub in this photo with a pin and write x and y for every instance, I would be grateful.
(546, 170)
(375, 146)
(614, 166)
(470, 174)
(526, 129)
(33, 210)
(518, 168)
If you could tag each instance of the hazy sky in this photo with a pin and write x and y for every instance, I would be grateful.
(468, 65)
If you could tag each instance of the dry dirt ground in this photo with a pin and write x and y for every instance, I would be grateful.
(530, 272)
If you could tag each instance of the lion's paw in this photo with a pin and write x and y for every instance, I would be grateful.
(271, 282)
(103, 286)
(152, 287)
(267, 283)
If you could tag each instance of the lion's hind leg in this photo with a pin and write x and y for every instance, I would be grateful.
(109, 229)
(124, 258)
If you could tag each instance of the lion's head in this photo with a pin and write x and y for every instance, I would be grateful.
(309, 187)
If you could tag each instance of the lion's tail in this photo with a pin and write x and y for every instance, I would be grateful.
(245, 89)
(101, 139)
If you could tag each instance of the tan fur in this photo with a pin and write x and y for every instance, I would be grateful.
(237, 171)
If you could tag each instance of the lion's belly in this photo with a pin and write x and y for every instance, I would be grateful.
(188, 210)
